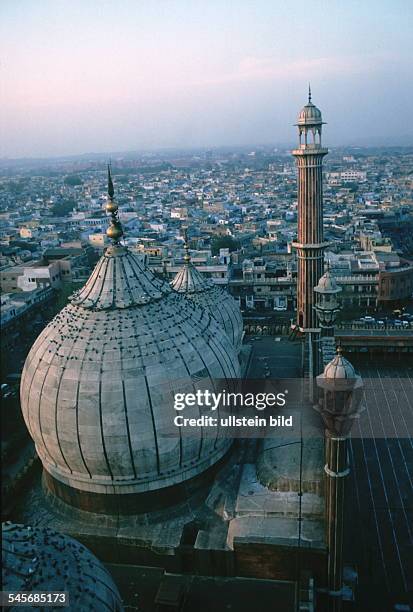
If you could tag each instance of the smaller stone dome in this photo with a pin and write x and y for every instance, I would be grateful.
(41, 559)
(212, 298)
(327, 284)
(339, 368)
(309, 115)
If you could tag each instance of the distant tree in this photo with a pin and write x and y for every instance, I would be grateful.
(352, 186)
(63, 208)
(223, 242)
(72, 180)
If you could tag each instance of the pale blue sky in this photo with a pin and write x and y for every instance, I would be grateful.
(104, 75)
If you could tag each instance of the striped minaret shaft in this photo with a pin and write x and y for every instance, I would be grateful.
(310, 251)
(310, 246)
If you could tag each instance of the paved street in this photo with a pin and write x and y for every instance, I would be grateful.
(274, 357)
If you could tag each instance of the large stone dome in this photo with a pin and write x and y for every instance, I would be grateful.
(40, 559)
(216, 300)
(97, 386)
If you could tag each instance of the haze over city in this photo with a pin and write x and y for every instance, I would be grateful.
(84, 76)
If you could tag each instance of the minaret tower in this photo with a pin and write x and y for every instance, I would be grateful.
(310, 245)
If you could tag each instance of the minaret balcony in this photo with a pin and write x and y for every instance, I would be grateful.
(310, 149)
(318, 245)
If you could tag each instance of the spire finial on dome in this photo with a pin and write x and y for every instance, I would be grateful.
(111, 190)
(309, 93)
(187, 256)
(339, 350)
(114, 231)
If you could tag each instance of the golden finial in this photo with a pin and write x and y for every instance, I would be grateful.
(114, 231)
(339, 350)
(111, 190)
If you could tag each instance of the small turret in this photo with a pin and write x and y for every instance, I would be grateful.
(327, 304)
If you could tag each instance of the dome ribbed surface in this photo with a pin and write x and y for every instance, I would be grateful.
(119, 281)
(40, 559)
(190, 280)
(327, 284)
(216, 300)
(339, 368)
(309, 115)
(97, 386)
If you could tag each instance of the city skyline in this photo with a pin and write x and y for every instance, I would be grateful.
(119, 297)
(98, 77)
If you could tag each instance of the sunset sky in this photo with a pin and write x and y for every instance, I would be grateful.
(115, 75)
